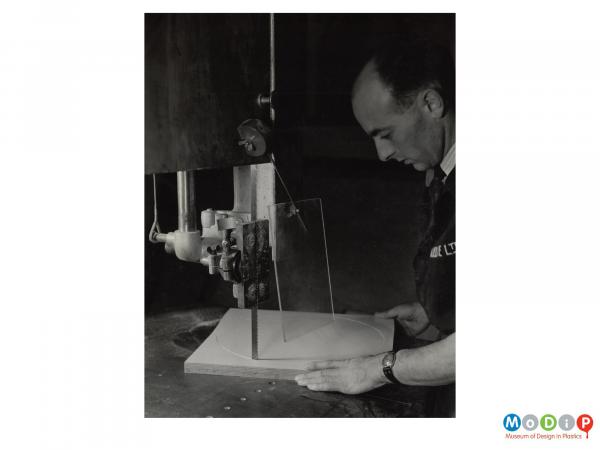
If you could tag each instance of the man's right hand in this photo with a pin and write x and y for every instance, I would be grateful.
(411, 316)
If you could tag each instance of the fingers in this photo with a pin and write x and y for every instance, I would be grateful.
(317, 380)
(308, 379)
(321, 387)
(403, 311)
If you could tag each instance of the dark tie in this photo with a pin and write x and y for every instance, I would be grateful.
(436, 188)
(434, 192)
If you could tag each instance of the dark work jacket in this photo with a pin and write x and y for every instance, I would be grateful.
(435, 262)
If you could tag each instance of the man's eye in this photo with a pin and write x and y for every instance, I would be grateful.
(386, 136)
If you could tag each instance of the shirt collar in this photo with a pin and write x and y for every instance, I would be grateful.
(447, 165)
(449, 161)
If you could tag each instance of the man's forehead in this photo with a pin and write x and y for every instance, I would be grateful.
(373, 100)
(368, 81)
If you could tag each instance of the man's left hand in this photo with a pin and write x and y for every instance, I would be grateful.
(349, 376)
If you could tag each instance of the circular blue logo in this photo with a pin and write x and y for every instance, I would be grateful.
(512, 422)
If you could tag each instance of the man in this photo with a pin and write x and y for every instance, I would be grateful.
(404, 99)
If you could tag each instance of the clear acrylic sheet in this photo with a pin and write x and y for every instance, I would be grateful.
(301, 266)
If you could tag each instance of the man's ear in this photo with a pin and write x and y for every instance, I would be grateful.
(433, 103)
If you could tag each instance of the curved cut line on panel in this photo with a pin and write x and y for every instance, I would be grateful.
(346, 337)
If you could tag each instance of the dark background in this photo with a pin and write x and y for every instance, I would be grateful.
(371, 209)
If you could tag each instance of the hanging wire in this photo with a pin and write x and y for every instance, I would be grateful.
(155, 229)
(293, 210)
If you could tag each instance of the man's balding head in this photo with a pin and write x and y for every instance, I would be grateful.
(405, 104)
(407, 68)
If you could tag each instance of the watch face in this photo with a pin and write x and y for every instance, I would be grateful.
(388, 360)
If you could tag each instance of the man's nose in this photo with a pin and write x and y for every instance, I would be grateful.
(385, 149)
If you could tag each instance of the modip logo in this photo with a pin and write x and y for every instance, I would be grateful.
(549, 423)
(585, 423)
(512, 422)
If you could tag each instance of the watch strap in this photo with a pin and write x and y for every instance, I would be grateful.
(387, 370)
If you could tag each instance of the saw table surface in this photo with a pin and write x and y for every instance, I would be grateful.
(172, 337)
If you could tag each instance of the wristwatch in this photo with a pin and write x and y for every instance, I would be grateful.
(388, 363)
